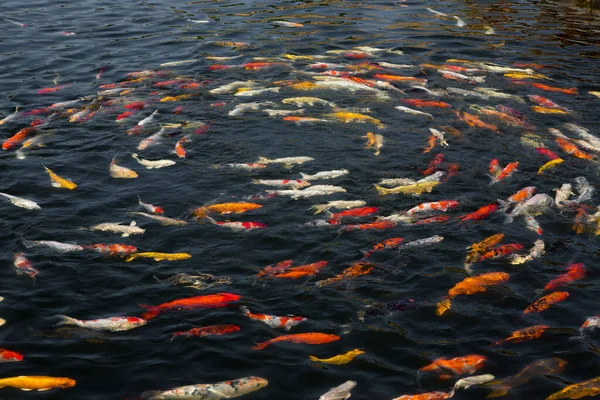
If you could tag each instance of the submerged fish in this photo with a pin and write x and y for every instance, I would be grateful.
(548, 366)
(210, 391)
(341, 392)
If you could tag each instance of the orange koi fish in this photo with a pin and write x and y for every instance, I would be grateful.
(303, 119)
(479, 248)
(225, 208)
(308, 338)
(10, 356)
(301, 271)
(570, 148)
(555, 89)
(274, 321)
(437, 218)
(373, 225)
(397, 78)
(356, 269)
(179, 149)
(353, 212)
(546, 110)
(124, 115)
(136, 105)
(506, 172)
(424, 396)
(275, 269)
(548, 366)
(459, 365)
(545, 302)
(190, 303)
(52, 89)
(259, 65)
(523, 335)
(574, 272)
(390, 243)
(471, 285)
(112, 249)
(494, 167)
(17, 138)
(591, 387)
(434, 164)
(213, 330)
(474, 121)
(425, 103)
(501, 251)
(481, 213)
(547, 103)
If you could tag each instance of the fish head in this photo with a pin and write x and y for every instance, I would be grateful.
(249, 384)
(65, 382)
(10, 356)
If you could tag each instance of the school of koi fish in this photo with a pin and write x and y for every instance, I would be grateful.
(377, 98)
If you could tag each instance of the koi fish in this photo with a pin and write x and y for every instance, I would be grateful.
(390, 243)
(190, 303)
(397, 78)
(443, 206)
(153, 164)
(546, 110)
(505, 172)
(21, 202)
(570, 148)
(17, 138)
(317, 190)
(546, 103)
(414, 189)
(590, 324)
(522, 195)
(39, 383)
(213, 330)
(275, 269)
(424, 396)
(159, 256)
(125, 230)
(295, 184)
(547, 366)
(523, 335)
(574, 272)
(307, 338)
(473, 121)
(339, 359)
(23, 266)
(555, 89)
(10, 356)
(550, 164)
(52, 89)
(545, 302)
(591, 387)
(112, 249)
(353, 212)
(356, 269)
(467, 382)
(113, 324)
(436, 219)
(225, 208)
(286, 161)
(426, 103)
(150, 208)
(210, 391)
(238, 226)
(375, 141)
(300, 271)
(59, 182)
(379, 225)
(274, 321)
(341, 392)
(470, 286)
(116, 171)
(10, 117)
(324, 175)
(481, 213)
(339, 204)
(348, 117)
(58, 246)
(500, 251)
(459, 365)
(434, 164)
(411, 111)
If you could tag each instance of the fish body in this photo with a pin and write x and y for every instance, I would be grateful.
(24, 266)
(546, 301)
(39, 383)
(124, 230)
(285, 160)
(300, 271)
(459, 365)
(190, 303)
(390, 243)
(478, 283)
(590, 323)
(9, 356)
(225, 208)
(467, 382)
(526, 334)
(353, 212)
(547, 366)
(116, 171)
(339, 359)
(375, 141)
(10, 117)
(338, 204)
(443, 206)
(255, 92)
(536, 251)
(111, 249)
(574, 272)
(412, 111)
(293, 183)
(546, 103)
(481, 213)
(159, 256)
(505, 172)
(324, 175)
(570, 148)
(239, 226)
(348, 117)
(165, 221)
(378, 225)
(59, 182)
(536, 205)
(153, 164)
(520, 196)
(424, 396)
(58, 246)
(213, 330)
(414, 189)
(307, 338)
(356, 269)
(461, 77)
(555, 89)
(500, 251)
(341, 392)
(17, 137)
(21, 202)
(311, 101)
(550, 164)
(209, 391)
(150, 208)
(474, 121)
(113, 324)
(317, 190)
(274, 321)
(274, 269)
(587, 388)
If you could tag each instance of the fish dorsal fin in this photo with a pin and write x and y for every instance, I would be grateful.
(133, 223)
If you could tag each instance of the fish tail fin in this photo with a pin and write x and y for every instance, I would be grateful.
(260, 346)
(498, 392)
(256, 181)
(151, 395)
(509, 219)
(152, 312)
(443, 306)
(503, 205)
(130, 258)
(450, 393)
(245, 310)
(66, 320)
(381, 190)
(211, 220)
(317, 209)
(29, 243)
(304, 176)
(263, 159)
(366, 253)
(139, 200)
(313, 358)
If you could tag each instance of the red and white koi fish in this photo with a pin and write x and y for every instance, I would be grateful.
(23, 266)
(506, 172)
(443, 205)
(151, 208)
(272, 320)
(113, 324)
(522, 195)
(275, 269)
(239, 226)
(111, 249)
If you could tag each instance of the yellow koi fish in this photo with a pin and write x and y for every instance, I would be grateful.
(347, 117)
(176, 98)
(39, 383)
(159, 256)
(59, 182)
(339, 359)
(414, 189)
(546, 110)
(550, 164)
(524, 75)
(590, 387)
(304, 86)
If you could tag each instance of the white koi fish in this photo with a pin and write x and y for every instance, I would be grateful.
(210, 391)
(466, 383)
(116, 171)
(10, 117)
(412, 111)
(124, 230)
(317, 190)
(153, 164)
(324, 175)
(58, 246)
(165, 221)
(536, 251)
(287, 161)
(148, 119)
(21, 202)
(337, 204)
(341, 392)
(294, 184)
(113, 324)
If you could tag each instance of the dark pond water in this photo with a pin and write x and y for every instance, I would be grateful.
(555, 38)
